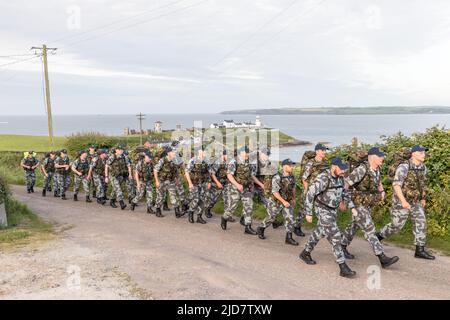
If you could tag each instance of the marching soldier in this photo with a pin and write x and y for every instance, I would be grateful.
(366, 190)
(199, 181)
(129, 178)
(29, 164)
(241, 177)
(62, 167)
(409, 198)
(166, 173)
(310, 170)
(144, 177)
(326, 193)
(282, 189)
(48, 170)
(181, 193)
(81, 169)
(92, 153)
(97, 173)
(218, 172)
(117, 169)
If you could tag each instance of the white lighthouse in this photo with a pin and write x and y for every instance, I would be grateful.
(258, 122)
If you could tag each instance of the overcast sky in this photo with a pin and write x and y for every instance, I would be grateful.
(181, 56)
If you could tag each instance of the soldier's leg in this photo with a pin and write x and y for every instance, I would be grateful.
(149, 194)
(180, 191)
(352, 227)
(116, 185)
(160, 194)
(55, 184)
(247, 206)
(194, 199)
(46, 182)
(368, 227)
(398, 220)
(67, 182)
(419, 225)
(76, 184)
(171, 189)
(233, 200)
(27, 181)
(272, 210)
(288, 218)
(86, 183)
(139, 194)
(225, 195)
(301, 209)
(62, 184)
(333, 235)
(314, 238)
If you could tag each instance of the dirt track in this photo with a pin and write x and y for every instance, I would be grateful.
(125, 255)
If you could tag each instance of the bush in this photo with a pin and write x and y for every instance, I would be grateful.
(4, 190)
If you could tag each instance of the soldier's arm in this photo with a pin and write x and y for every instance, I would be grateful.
(305, 175)
(44, 172)
(22, 164)
(187, 173)
(355, 176)
(258, 182)
(232, 180)
(316, 188)
(73, 167)
(36, 165)
(399, 179)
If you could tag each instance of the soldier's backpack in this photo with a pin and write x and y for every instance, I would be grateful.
(307, 156)
(355, 159)
(401, 156)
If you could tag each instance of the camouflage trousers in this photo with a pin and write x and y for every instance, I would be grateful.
(301, 209)
(181, 193)
(398, 220)
(260, 193)
(234, 196)
(131, 187)
(81, 180)
(273, 208)
(197, 198)
(63, 182)
(117, 183)
(166, 186)
(146, 190)
(99, 184)
(30, 178)
(327, 227)
(50, 181)
(364, 222)
(213, 194)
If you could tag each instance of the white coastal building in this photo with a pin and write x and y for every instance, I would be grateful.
(230, 124)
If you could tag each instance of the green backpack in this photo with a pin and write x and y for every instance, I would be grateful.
(401, 156)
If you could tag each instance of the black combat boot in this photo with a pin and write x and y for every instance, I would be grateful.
(260, 232)
(88, 198)
(130, 199)
(185, 208)
(28, 190)
(298, 231)
(346, 272)
(208, 213)
(133, 205)
(200, 219)
(44, 192)
(55, 194)
(165, 206)
(242, 221)
(421, 253)
(150, 210)
(101, 201)
(386, 261)
(94, 194)
(290, 240)
(75, 197)
(347, 254)
(49, 189)
(306, 257)
(32, 189)
(276, 224)
(63, 196)
(158, 213)
(223, 223)
(231, 219)
(249, 230)
(191, 216)
(112, 203)
(122, 204)
(379, 236)
(179, 213)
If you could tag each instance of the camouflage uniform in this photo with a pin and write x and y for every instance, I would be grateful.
(98, 176)
(412, 179)
(118, 174)
(179, 187)
(219, 169)
(265, 171)
(145, 172)
(130, 183)
(63, 175)
(326, 193)
(83, 167)
(30, 175)
(364, 183)
(285, 185)
(243, 173)
(92, 185)
(310, 171)
(200, 178)
(49, 166)
(167, 175)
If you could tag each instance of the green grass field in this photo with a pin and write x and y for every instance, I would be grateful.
(9, 142)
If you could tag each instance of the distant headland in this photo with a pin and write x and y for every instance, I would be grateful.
(345, 110)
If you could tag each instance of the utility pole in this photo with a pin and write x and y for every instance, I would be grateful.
(140, 117)
(44, 50)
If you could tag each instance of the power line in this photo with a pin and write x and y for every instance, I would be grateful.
(17, 55)
(136, 24)
(116, 21)
(18, 61)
